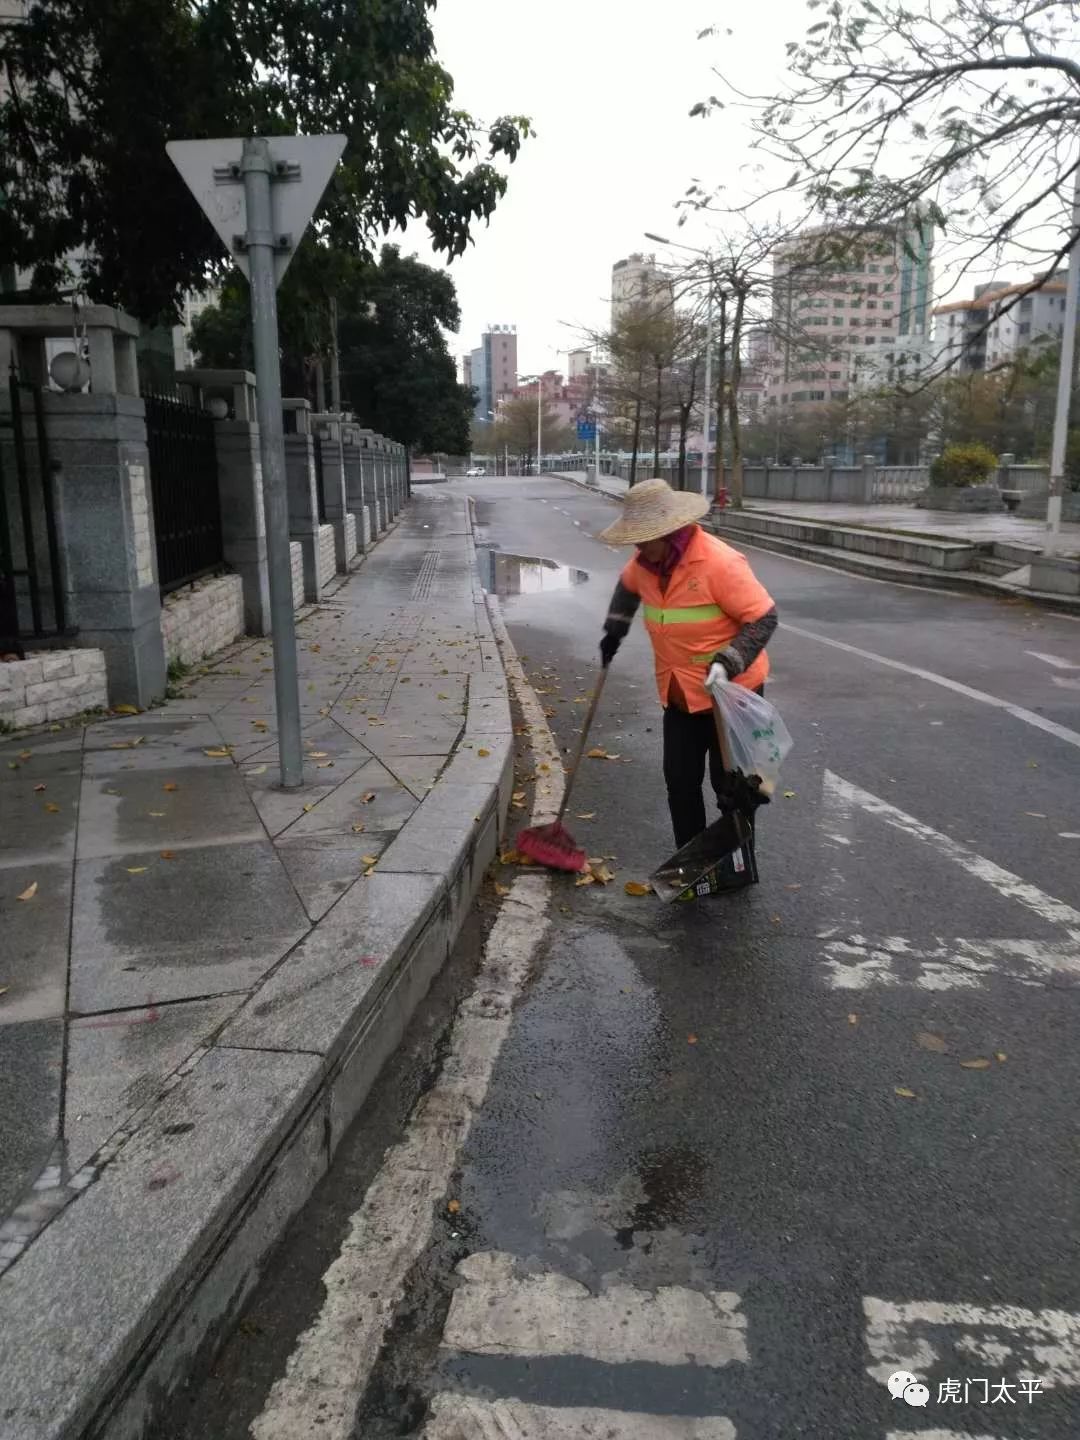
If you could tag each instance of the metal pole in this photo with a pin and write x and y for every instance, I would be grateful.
(597, 480)
(539, 414)
(257, 167)
(335, 361)
(707, 421)
(1065, 375)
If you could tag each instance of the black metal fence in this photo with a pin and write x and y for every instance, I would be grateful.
(184, 482)
(320, 488)
(31, 582)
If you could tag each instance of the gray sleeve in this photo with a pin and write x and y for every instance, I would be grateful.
(748, 644)
(621, 611)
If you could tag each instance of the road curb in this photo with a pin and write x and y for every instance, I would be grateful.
(106, 1312)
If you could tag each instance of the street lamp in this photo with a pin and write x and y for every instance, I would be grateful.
(719, 496)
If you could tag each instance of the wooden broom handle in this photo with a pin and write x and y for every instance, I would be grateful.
(586, 727)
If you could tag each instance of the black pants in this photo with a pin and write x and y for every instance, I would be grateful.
(688, 740)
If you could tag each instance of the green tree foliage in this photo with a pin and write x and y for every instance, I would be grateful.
(396, 372)
(961, 465)
(95, 88)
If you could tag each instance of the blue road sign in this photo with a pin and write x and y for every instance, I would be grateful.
(586, 429)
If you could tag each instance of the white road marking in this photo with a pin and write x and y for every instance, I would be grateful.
(329, 1368)
(1069, 834)
(1011, 886)
(1055, 660)
(936, 1435)
(862, 963)
(1015, 1344)
(1018, 712)
(462, 1417)
(499, 1312)
(1065, 684)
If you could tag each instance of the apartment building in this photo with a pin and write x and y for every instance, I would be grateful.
(635, 279)
(850, 310)
(492, 368)
(998, 322)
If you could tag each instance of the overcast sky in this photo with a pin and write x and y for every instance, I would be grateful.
(608, 85)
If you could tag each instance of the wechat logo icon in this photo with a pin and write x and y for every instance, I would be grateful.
(905, 1386)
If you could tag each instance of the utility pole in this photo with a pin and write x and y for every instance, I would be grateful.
(1065, 376)
(539, 423)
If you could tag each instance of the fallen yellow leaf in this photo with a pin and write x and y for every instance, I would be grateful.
(597, 753)
(853, 1019)
(1001, 1057)
(221, 752)
(125, 710)
(586, 878)
(635, 887)
(318, 754)
(52, 809)
(453, 1206)
(483, 754)
(789, 794)
(309, 806)
(979, 1064)
(38, 789)
(26, 754)
(588, 815)
(29, 892)
(600, 872)
(358, 828)
(369, 859)
(367, 799)
(257, 770)
(170, 785)
(136, 869)
(157, 814)
(167, 855)
(904, 1092)
(691, 1039)
(501, 889)
(926, 1040)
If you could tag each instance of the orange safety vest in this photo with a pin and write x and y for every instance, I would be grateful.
(711, 594)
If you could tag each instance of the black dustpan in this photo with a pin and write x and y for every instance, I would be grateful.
(731, 834)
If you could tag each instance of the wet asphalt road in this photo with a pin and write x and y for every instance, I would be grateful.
(705, 1096)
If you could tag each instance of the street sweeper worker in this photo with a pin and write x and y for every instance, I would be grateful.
(709, 619)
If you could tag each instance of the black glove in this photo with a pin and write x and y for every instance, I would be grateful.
(609, 644)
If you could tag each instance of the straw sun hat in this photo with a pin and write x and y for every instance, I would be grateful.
(652, 509)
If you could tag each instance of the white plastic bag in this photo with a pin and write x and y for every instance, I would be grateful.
(757, 735)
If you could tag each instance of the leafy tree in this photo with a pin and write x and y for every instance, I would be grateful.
(94, 89)
(964, 113)
(397, 374)
(515, 428)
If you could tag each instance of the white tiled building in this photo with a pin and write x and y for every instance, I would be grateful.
(999, 322)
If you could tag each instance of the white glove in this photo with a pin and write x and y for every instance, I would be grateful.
(716, 677)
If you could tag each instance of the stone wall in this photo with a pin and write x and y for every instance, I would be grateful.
(52, 685)
(296, 554)
(327, 554)
(202, 618)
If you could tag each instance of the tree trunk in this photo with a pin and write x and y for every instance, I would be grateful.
(658, 411)
(733, 402)
(721, 378)
(636, 441)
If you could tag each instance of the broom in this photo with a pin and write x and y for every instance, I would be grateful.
(552, 844)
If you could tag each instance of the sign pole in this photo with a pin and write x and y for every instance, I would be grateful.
(260, 244)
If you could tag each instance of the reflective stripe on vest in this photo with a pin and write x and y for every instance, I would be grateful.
(690, 615)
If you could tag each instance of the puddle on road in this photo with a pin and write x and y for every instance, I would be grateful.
(506, 574)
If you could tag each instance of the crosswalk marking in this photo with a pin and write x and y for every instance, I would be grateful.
(1055, 660)
(462, 1417)
(1007, 1340)
(1010, 886)
(938, 1435)
(500, 1312)
(862, 962)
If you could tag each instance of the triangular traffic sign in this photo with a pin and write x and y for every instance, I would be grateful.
(293, 200)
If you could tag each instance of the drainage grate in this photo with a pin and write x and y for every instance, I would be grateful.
(428, 567)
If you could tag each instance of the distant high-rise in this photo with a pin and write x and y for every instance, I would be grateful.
(850, 309)
(637, 280)
(491, 369)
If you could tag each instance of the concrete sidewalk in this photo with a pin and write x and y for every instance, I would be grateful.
(202, 974)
